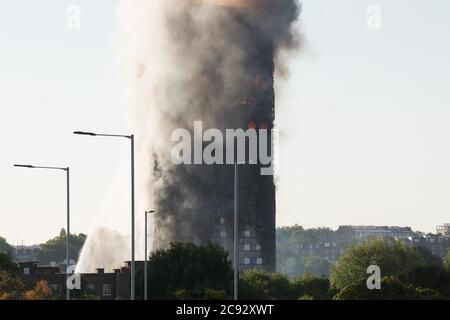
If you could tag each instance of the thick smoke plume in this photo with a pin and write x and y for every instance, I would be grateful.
(184, 61)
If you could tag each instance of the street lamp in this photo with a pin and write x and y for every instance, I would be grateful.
(133, 263)
(236, 227)
(67, 170)
(145, 250)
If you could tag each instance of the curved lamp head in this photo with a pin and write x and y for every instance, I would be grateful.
(84, 133)
(24, 166)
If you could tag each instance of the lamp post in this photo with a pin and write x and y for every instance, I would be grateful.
(145, 252)
(67, 170)
(133, 262)
(236, 227)
(235, 242)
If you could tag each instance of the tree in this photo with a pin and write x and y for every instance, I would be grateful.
(55, 249)
(431, 276)
(40, 292)
(408, 272)
(11, 286)
(7, 265)
(185, 270)
(5, 247)
(447, 261)
(310, 286)
(255, 284)
(393, 258)
(211, 294)
(392, 288)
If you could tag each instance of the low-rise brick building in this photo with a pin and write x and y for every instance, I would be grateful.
(106, 286)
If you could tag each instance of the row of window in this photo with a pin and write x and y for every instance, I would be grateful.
(384, 233)
(252, 261)
(430, 240)
(107, 289)
(224, 234)
(249, 247)
(319, 245)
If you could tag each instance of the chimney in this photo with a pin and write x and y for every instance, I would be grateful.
(100, 271)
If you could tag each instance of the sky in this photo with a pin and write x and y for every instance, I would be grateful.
(363, 117)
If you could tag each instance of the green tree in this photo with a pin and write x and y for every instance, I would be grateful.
(309, 285)
(392, 288)
(183, 294)
(255, 284)
(433, 276)
(447, 261)
(409, 272)
(7, 265)
(393, 258)
(5, 247)
(55, 249)
(211, 294)
(185, 270)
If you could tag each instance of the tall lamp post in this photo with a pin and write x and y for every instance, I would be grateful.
(133, 262)
(235, 242)
(67, 170)
(236, 227)
(146, 253)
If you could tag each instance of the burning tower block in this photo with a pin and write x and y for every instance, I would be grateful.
(256, 248)
(230, 85)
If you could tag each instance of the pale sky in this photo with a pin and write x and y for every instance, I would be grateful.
(364, 117)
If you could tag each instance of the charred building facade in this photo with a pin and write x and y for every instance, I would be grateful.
(256, 192)
(225, 57)
(209, 215)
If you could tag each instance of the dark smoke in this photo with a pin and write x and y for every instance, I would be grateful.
(188, 62)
